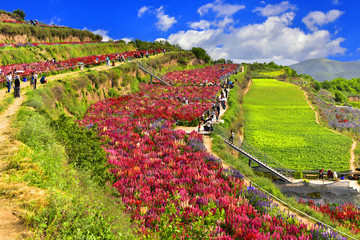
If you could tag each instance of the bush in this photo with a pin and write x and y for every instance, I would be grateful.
(200, 53)
(298, 175)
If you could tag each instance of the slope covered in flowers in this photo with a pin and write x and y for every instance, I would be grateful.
(347, 215)
(170, 185)
(72, 63)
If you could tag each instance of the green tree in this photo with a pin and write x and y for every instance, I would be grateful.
(340, 97)
(200, 53)
(317, 85)
(20, 13)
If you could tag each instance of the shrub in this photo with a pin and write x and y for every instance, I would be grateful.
(298, 175)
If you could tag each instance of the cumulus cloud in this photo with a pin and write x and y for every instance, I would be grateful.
(202, 25)
(220, 8)
(274, 38)
(275, 9)
(101, 32)
(127, 39)
(316, 19)
(164, 21)
(142, 10)
(218, 23)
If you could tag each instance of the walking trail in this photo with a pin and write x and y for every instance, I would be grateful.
(11, 226)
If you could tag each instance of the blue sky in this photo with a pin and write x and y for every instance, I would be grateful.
(248, 29)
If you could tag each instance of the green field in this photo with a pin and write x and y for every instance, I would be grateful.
(279, 121)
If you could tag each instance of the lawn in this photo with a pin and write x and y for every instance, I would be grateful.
(279, 121)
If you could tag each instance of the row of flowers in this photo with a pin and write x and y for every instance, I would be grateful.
(72, 63)
(347, 215)
(171, 186)
(42, 43)
(202, 76)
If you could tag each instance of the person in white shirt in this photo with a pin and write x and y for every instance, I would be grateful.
(8, 81)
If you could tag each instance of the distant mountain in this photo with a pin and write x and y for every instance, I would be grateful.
(322, 69)
(283, 61)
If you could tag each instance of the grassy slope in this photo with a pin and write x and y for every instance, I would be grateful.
(53, 159)
(280, 122)
(226, 154)
(11, 55)
(46, 34)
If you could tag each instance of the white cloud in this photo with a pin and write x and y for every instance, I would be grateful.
(336, 2)
(142, 11)
(275, 9)
(218, 23)
(317, 18)
(127, 39)
(202, 25)
(101, 32)
(224, 22)
(160, 40)
(164, 21)
(220, 8)
(274, 38)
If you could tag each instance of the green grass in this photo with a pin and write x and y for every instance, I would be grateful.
(6, 102)
(75, 205)
(11, 55)
(273, 74)
(279, 121)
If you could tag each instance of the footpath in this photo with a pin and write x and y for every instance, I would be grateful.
(11, 226)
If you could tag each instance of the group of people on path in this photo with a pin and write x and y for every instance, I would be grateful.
(330, 174)
(10, 77)
(214, 112)
(14, 76)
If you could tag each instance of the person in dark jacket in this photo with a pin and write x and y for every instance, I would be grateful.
(17, 87)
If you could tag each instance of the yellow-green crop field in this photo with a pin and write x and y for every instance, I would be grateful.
(273, 74)
(279, 121)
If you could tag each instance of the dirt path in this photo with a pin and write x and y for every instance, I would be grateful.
(354, 144)
(11, 227)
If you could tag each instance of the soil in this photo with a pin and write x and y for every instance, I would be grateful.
(11, 227)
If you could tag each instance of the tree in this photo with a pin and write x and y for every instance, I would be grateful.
(200, 53)
(317, 85)
(20, 13)
(340, 97)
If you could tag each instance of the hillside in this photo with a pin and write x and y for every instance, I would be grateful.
(14, 29)
(322, 69)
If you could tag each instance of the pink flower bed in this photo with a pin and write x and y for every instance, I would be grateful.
(199, 76)
(347, 215)
(72, 63)
(171, 186)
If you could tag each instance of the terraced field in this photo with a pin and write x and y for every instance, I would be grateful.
(279, 121)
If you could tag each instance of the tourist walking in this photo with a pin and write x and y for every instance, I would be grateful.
(231, 138)
(321, 173)
(35, 80)
(17, 87)
(8, 81)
